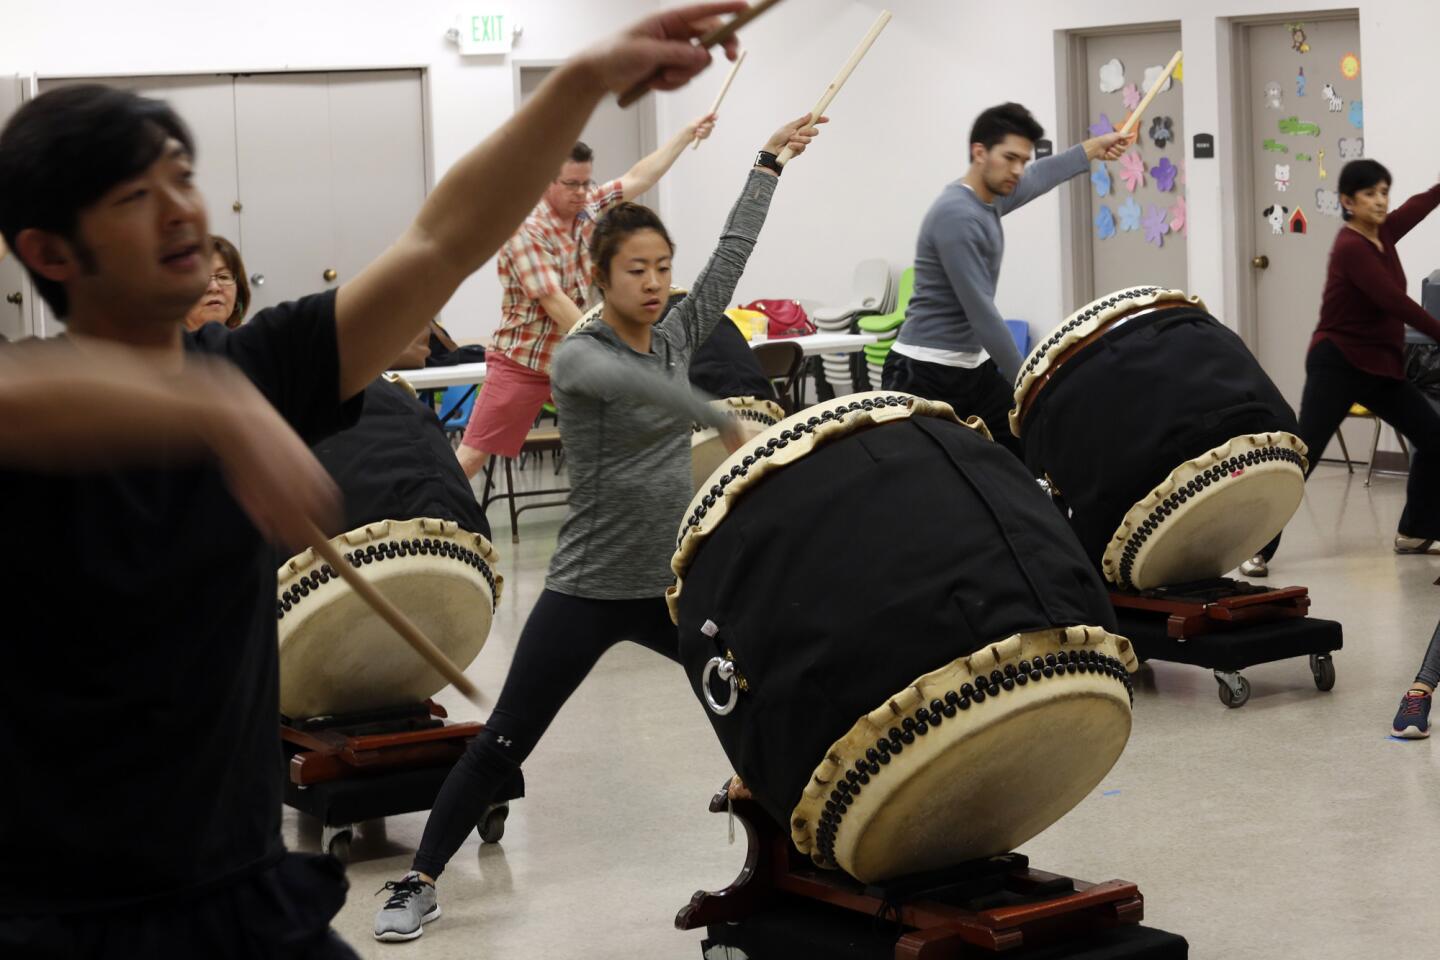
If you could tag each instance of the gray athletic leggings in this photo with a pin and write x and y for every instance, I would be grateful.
(1430, 669)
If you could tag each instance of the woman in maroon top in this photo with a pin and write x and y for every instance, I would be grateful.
(1357, 353)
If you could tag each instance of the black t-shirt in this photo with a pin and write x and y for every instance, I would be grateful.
(396, 463)
(139, 687)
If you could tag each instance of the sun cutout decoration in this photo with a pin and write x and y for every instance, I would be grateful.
(1350, 66)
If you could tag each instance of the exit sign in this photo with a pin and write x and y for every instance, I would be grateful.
(490, 32)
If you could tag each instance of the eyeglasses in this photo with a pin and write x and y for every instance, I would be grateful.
(224, 279)
(576, 184)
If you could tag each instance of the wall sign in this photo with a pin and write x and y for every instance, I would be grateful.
(1204, 146)
(485, 32)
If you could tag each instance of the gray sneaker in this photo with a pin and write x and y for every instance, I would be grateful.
(412, 904)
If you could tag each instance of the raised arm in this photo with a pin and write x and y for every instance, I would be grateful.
(961, 250)
(648, 171)
(710, 294)
(119, 412)
(1047, 173)
(485, 195)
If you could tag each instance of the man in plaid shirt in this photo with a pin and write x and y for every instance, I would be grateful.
(545, 271)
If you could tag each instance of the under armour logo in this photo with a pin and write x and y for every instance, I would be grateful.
(505, 741)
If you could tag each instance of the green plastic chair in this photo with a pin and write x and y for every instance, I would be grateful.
(888, 322)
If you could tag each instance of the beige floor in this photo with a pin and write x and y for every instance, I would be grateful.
(1293, 827)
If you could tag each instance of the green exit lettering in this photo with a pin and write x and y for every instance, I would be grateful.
(485, 29)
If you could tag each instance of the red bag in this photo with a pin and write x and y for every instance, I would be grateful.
(787, 317)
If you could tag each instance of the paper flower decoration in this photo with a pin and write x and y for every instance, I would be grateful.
(1101, 179)
(1104, 224)
(1129, 214)
(1132, 170)
(1112, 76)
(1131, 96)
(1164, 175)
(1178, 223)
(1181, 178)
(1350, 66)
(1103, 127)
(1155, 226)
(1300, 83)
(1162, 131)
(1152, 74)
(1357, 114)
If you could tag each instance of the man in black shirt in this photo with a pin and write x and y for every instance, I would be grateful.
(144, 472)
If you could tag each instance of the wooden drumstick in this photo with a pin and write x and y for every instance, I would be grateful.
(843, 75)
(392, 615)
(1134, 119)
(719, 97)
(719, 35)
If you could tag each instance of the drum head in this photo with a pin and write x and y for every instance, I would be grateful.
(707, 449)
(964, 775)
(338, 656)
(1210, 513)
(1080, 325)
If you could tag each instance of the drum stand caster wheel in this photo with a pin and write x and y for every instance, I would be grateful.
(1322, 667)
(336, 841)
(492, 825)
(1234, 689)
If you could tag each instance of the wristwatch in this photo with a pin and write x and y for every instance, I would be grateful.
(769, 161)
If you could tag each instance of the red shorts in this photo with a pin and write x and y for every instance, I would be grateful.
(507, 406)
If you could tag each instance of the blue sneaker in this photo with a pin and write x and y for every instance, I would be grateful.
(1413, 720)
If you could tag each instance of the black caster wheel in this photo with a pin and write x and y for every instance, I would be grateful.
(1232, 697)
(1322, 667)
(339, 846)
(492, 825)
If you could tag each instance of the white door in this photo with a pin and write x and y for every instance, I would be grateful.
(14, 318)
(1134, 219)
(377, 149)
(282, 124)
(1301, 104)
(332, 170)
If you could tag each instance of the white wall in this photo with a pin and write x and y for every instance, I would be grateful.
(468, 97)
(899, 129)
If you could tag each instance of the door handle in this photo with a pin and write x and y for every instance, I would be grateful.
(329, 274)
(1261, 262)
(257, 279)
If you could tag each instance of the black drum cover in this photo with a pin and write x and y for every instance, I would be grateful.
(840, 578)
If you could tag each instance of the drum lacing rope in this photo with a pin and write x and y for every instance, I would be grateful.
(1082, 318)
(376, 553)
(759, 416)
(799, 430)
(1216, 474)
(893, 743)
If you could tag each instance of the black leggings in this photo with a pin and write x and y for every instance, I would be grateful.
(562, 641)
(1332, 384)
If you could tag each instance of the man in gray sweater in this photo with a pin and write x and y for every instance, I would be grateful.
(954, 346)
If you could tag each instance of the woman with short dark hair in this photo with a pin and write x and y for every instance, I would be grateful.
(1357, 352)
(227, 296)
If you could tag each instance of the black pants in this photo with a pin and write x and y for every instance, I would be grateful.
(282, 913)
(980, 392)
(1332, 385)
(563, 639)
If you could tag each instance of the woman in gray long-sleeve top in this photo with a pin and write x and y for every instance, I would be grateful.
(626, 414)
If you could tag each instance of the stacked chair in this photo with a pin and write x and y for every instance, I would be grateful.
(870, 290)
(887, 327)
